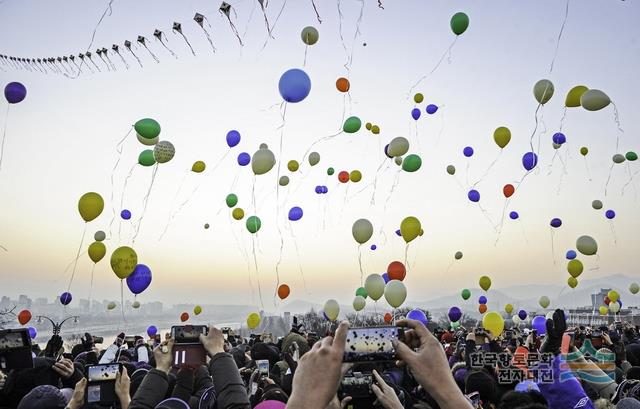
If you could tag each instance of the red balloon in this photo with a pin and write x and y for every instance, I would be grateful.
(482, 308)
(184, 317)
(343, 176)
(508, 190)
(396, 271)
(24, 316)
(607, 300)
(388, 317)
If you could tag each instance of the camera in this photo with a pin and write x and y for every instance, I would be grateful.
(357, 386)
(130, 340)
(371, 344)
(98, 340)
(15, 349)
(101, 383)
(187, 349)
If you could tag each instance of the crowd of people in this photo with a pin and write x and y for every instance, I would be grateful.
(578, 367)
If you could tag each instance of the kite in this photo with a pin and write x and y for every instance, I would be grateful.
(316, 11)
(158, 34)
(88, 54)
(72, 58)
(81, 56)
(116, 49)
(99, 52)
(177, 27)
(105, 52)
(225, 8)
(127, 44)
(142, 41)
(200, 19)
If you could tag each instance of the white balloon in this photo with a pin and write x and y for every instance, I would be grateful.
(374, 284)
(395, 293)
(614, 307)
(398, 146)
(148, 142)
(359, 303)
(332, 309)
(594, 100)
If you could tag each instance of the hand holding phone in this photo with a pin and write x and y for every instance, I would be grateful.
(101, 383)
(187, 349)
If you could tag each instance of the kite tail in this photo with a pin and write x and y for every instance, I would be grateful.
(78, 67)
(137, 59)
(113, 66)
(119, 147)
(151, 52)
(380, 4)
(555, 54)
(75, 262)
(235, 31)
(146, 201)
(315, 9)
(4, 135)
(606, 185)
(266, 20)
(105, 63)
(169, 49)
(206, 33)
(94, 64)
(126, 64)
(446, 53)
(188, 43)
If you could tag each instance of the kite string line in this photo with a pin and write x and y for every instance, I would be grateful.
(316, 11)
(119, 148)
(75, 263)
(107, 9)
(146, 202)
(447, 52)
(555, 54)
(4, 134)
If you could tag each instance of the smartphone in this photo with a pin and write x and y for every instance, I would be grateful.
(130, 340)
(357, 386)
(15, 349)
(101, 383)
(475, 400)
(263, 367)
(371, 344)
(187, 349)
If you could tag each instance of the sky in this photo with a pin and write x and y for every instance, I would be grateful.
(61, 142)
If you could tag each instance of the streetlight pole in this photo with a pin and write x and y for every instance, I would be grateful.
(57, 326)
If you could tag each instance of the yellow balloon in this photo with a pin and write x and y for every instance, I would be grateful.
(197, 310)
(613, 296)
(508, 308)
(410, 228)
(544, 301)
(293, 165)
(603, 310)
(96, 251)
(575, 267)
(253, 320)
(493, 322)
(355, 176)
(573, 96)
(111, 305)
(237, 213)
(331, 309)
(375, 129)
(614, 307)
(502, 136)
(198, 167)
(123, 261)
(485, 283)
(90, 206)
(572, 282)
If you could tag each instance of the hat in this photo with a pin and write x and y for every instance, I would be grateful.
(292, 337)
(633, 372)
(136, 379)
(207, 399)
(483, 383)
(628, 403)
(271, 404)
(629, 388)
(172, 403)
(447, 338)
(43, 397)
(526, 386)
(264, 351)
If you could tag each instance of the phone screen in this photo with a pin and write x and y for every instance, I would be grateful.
(188, 334)
(98, 373)
(263, 366)
(371, 344)
(12, 340)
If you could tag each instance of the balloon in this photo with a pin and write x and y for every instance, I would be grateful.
(65, 298)
(587, 245)
(253, 224)
(15, 92)
(147, 128)
(283, 181)
(418, 98)
(415, 113)
(362, 292)
(575, 268)
(395, 293)
(543, 91)
(607, 301)
(454, 314)
(90, 206)
(539, 323)
(584, 150)
(33, 333)
(396, 271)
(330, 171)
(634, 288)
(398, 233)
(123, 261)
(375, 129)
(293, 165)
(529, 160)
(385, 277)
(451, 169)
(544, 301)
(418, 315)
(571, 254)
(516, 320)
(97, 251)
(24, 317)
(262, 161)
(135, 304)
(410, 228)
(398, 146)
(332, 309)
(362, 230)
(184, 316)
(458, 255)
(513, 215)
(343, 176)
(112, 305)
(206, 225)
(233, 138)
(375, 286)
(314, 158)
(164, 151)
(508, 190)
(373, 247)
(614, 307)
(502, 136)
(610, 214)
(508, 308)
(309, 35)
(244, 158)
(237, 213)
(398, 160)
(411, 163)
(125, 214)
(482, 308)
(618, 158)
(146, 158)
(198, 166)
(473, 195)
(572, 282)
(559, 138)
(468, 151)
(431, 109)
(152, 331)
(147, 142)
(522, 314)
(594, 100)
(294, 85)
(482, 299)
(631, 156)
(465, 294)
(596, 204)
(555, 222)
(231, 200)
(283, 291)
(359, 303)
(549, 315)
(100, 235)
(603, 310)
(355, 176)
(493, 322)
(573, 96)
(343, 85)
(295, 213)
(459, 23)
(140, 279)
(613, 295)
(556, 145)
(388, 317)
(485, 283)
(253, 320)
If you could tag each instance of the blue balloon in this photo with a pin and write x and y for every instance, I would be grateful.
(539, 323)
(233, 138)
(482, 300)
(33, 333)
(610, 214)
(559, 138)
(324, 189)
(65, 298)
(529, 160)
(244, 159)
(468, 151)
(522, 314)
(373, 247)
(555, 222)
(454, 314)
(125, 214)
(398, 233)
(139, 280)
(415, 113)
(152, 331)
(318, 189)
(513, 215)
(15, 92)
(324, 314)
(386, 278)
(571, 254)
(431, 109)
(418, 315)
(294, 85)
(295, 213)
(473, 195)
(386, 152)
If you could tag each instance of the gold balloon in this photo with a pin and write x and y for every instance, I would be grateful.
(123, 261)
(237, 213)
(90, 206)
(97, 251)
(198, 167)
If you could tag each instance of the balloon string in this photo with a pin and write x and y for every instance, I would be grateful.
(586, 166)
(4, 134)
(75, 263)
(616, 118)
(119, 148)
(360, 264)
(375, 182)
(91, 286)
(171, 212)
(486, 172)
(535, 128)
(295, 244)
(255, 262)
(555, 54)
(146, 201)
(630, 181)
(564, 114)
(553, 250)
(124, 189)
(122, 299)
(447, 52)
(606, 185)
(613, 233)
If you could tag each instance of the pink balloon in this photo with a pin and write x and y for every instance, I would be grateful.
(271, 404)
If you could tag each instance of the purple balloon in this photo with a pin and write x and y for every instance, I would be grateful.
(233, 138)
(454, 314)
(522, 314)
(555, 222)
(398, 233)
(386, 278)
(139, 280)
(125, 214)
(559, 138)
(32, 332)
(513, 215)
(152, 331)
(15, 92)
(482, 300)
(431, 109)
(529, 160)
(386, 152)
(325, 189)
(610, 214)
(418, 315)
(65, 298)
(373, 247)
(244, 159)
(468, 151)
(415, 113)
(571, 254)
(294, 85)
(325, 316)
(318, 189)
(295, 214)
(474, 195)
(539, 323)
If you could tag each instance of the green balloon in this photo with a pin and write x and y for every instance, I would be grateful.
(411, 163)
(147, 128)
(146, 158)
(352, 124)
(459, 23)
(618, 158)
(362, 292)
(330, 171)
(253, 224)
(309, 35)
(466, 294)
(451, 170)
(631, 156)
(232, 200)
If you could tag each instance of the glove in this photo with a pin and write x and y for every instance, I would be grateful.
(555, 329)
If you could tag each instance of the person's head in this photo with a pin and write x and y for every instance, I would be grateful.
(44, 397)
(514, 400)
(482, 382)
(633, 373)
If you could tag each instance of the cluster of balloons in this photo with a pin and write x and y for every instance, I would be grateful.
(587, 246)
(354, 176)
(321, 190)
(148, 134)
(374, 129)
(416, 112)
